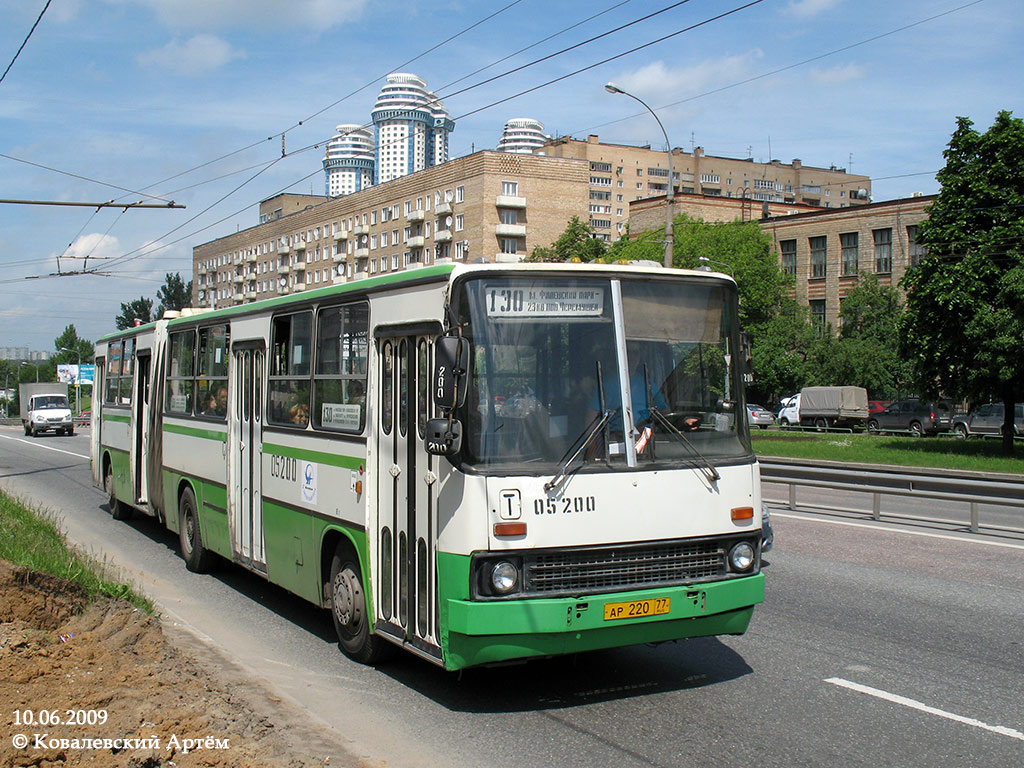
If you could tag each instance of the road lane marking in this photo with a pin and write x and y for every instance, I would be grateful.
(895, 699)
(39, 445)
(884, 529)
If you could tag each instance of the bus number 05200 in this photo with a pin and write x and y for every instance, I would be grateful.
(565, 505)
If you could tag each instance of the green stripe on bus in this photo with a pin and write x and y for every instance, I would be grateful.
(206, 434)
(116, 417)
(333, 459)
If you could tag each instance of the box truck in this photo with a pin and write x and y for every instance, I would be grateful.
(825, 408)
(45, 408)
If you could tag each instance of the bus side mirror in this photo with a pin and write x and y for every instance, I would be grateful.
(443, 439)
(451, 369)
(746, 359)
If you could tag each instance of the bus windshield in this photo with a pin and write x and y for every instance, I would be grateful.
(554, 358)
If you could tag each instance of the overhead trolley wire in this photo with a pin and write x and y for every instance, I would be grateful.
(25, 41)
(131, 255)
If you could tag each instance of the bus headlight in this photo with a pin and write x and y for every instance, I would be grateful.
(741, 556)
(504, 577)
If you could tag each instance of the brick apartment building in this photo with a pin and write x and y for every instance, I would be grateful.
(828, 250)
(489, 205)
(825, 249)
(621, 174)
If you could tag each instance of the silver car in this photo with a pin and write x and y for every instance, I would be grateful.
(988, 420)
(758, 416)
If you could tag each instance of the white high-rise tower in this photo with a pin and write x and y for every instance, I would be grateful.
(411, 127)
(522, 135)
(348, 163)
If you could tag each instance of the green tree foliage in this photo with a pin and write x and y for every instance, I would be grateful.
(965, 300)
(173, 294)
(865, 353)
(140, 309)
(576, 243)
(70, 348)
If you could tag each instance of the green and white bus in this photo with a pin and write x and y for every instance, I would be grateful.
(441, 457)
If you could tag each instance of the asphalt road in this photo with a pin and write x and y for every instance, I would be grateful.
(878, 645)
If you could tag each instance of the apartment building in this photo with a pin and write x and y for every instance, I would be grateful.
(827, 250)
(621, 174)
(488, 206)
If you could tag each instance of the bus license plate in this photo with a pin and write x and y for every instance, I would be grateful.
(636, 609)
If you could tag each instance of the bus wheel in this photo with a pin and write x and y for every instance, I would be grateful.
(348, 609)
(197, 557)
(118, 509)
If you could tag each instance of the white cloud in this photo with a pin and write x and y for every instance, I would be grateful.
(231, 14)
(94, 245)
(658, 84)
(198, 55)
(805, 9)
(844, 73)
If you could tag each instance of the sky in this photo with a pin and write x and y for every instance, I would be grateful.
(187, 100)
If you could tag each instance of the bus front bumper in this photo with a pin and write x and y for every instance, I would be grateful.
(488, 632)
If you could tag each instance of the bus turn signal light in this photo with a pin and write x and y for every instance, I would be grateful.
(510, 529)
(742, 513)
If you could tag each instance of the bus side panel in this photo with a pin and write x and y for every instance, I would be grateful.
(195, 451)
(306, 490)
(116, 442)
(291, 554)
(211, 500)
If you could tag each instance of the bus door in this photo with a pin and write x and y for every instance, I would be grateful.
(245, 455)
(406, 489)
(140, 434)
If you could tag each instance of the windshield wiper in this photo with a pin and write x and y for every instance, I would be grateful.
(599, 422)
(709, 469)
(598, 427)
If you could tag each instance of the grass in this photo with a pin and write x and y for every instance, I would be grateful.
(30, 537)
(930, 452)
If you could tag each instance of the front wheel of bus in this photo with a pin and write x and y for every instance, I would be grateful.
(197, 557)
(118, 509)
(348, 609)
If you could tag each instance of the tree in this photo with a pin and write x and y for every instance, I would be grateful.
(867, 350)
(965, 300)
(173, 294)
(576, 243)
(140, 309)
(70, 348)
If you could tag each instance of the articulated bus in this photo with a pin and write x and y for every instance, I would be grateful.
(477, 463)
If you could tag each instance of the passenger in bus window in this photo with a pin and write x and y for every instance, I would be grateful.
(299, 414)
(220, 402)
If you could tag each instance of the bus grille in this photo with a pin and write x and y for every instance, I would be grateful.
(610, 568)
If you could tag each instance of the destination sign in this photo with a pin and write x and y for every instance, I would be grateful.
(543, 301)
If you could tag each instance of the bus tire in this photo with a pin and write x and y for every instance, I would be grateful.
(348, 609)
(118, 509)
(197, 557)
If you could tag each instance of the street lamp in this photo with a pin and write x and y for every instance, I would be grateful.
(78, 376)
(669, 233)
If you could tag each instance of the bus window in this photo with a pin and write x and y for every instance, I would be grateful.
(339, 381)
(290, 352)
(180, 384)
(212, 382)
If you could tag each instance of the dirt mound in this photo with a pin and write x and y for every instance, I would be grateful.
(97, 684)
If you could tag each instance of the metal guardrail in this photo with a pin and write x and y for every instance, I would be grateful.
(974, 488)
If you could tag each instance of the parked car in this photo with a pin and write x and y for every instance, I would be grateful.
(877, 406)
(988, 420)
(758, 416)
(914, 417)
